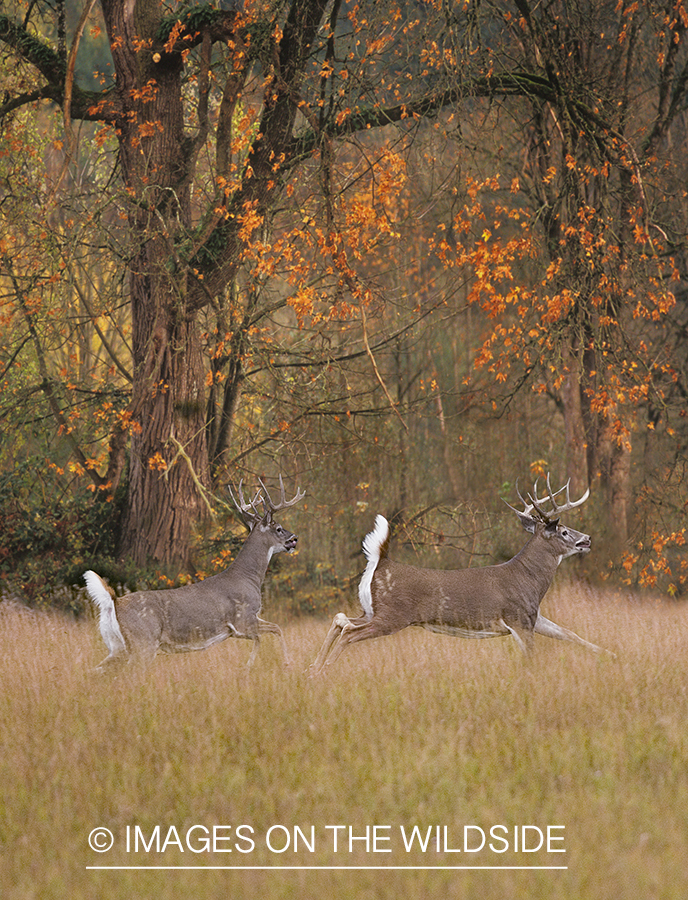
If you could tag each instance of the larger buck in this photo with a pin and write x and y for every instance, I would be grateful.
(196, 616)
(484, 602)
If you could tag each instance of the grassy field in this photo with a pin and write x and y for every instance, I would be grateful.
(456, 737)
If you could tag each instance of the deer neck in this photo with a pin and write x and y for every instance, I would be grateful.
(253, 558)
(536, 562)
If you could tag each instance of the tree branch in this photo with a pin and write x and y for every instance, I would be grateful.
(93, 106)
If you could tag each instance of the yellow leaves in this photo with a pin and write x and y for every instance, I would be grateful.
(682, 14)
(250, 221)
(557, 307)
(629, 560)
(654, 306)
(474, 188)
(303, 301)
(666, 564)
(175, 32)
(223, 559)
(157, 463)
(139, 44)
(640, 235)
(342, 115)
(147, 93)
(128, 423)
(539, 468)
(148, 129)
(102, 135)
(212, 378)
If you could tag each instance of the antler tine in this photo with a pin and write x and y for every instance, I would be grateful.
(265, 497)
(556, 510)
(283, 502)
(535, 504)
(556, 493)
(234, 499)
(572, 504)
(527, 507)
(244, 507)
(538, 501)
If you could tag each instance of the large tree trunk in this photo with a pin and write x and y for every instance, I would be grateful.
(169, 460)
(168, 457)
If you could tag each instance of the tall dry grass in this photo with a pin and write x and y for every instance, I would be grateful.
(415, 729)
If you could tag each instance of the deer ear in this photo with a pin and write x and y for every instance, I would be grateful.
(527, 521)
(551, 527)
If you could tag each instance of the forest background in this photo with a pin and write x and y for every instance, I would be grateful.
(402, 253)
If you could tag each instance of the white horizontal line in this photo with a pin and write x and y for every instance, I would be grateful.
(329, 868)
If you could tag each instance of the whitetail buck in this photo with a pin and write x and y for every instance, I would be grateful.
(472, 603)
(196, 616)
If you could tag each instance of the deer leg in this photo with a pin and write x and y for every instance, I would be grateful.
(270, 628)
(111, 661)
(251, 635)
(523, 645)
(551, 629)
(361, 630)
(139, 656)
(339, 623)
(255, 643)
(263, 627)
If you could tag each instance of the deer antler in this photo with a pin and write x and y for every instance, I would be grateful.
(535, 504)
(283, 502)
(556, 510)
(247, 510)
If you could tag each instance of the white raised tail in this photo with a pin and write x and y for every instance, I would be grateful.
(107, 618)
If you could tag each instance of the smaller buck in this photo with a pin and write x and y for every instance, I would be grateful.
(484, 602)
(196, 616)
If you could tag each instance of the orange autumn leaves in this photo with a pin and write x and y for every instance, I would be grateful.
(590, 292)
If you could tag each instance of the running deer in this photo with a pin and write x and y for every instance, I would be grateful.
(196, 616)
(472, 603)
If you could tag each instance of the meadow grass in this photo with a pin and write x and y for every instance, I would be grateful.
(415, 729)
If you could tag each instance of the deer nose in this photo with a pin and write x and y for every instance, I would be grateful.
(584, 543)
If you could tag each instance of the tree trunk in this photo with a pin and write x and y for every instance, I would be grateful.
(574, 428)
(592, 451)
(168, 456)
(615, 479)
(169, 459)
